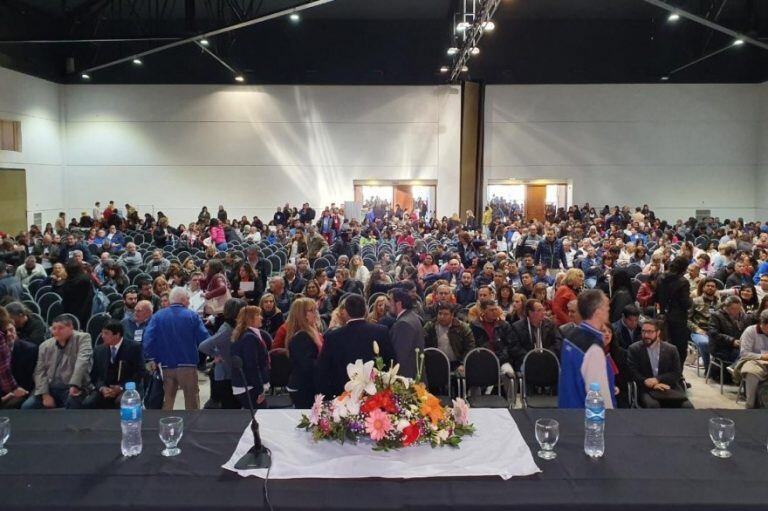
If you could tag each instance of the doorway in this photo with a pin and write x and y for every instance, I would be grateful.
(13, 200)
(389, 194)
(536, 200)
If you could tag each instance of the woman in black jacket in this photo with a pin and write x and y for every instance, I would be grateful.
(249, 343)
(77, 293)
(622, 293)
(272, 317)
(673, 295)
(304, 344)
(246, 274)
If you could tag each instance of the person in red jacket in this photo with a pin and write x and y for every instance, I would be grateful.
(572, 284)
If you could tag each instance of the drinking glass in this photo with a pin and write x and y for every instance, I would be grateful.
(722, 432)
(547, 434)
(171, 429)
(5, 434)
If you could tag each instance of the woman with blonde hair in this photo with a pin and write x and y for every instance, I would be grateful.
(272, 316)
(572, 284)
(251, 344)
(304, 344)
(379, 309)
(357, 269)
(160, 285)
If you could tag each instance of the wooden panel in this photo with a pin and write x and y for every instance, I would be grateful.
(13, 201)
(535, 195)
(404, 196)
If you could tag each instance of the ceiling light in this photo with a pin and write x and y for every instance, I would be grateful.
(462, 26)
(239, 78)
(294, 17)
(489, 25)
(738, 42)
(464, 69)
(475, 50)
(664, 78)
(673, 17)
(204, 42)
(444, 69)
(453, 50)
(138, 62)
(85, 76)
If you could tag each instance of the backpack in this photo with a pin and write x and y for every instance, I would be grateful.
(100, 302)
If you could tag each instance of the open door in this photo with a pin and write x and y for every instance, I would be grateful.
(13, 200)
(535, 202)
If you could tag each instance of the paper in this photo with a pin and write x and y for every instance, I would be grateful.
(246, 286)
(197, 301)
(296, 456)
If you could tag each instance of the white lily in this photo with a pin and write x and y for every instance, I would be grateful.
(360, 379)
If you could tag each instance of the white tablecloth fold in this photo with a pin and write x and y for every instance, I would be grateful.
(495, 449)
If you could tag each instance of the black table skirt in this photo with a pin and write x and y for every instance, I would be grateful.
(655, 459)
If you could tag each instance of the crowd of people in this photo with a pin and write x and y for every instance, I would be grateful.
(618, 295)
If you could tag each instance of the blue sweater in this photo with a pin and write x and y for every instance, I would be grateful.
(172, 337)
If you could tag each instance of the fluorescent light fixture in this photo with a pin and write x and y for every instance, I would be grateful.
(673, 17)
(453, 50)
(489, 25)
(294, 17)
(475, 50)
(664, 78)
(239, 78)
(85, 76)
(464, 69)
(204, 42)
(462, 26)
(444, 69)
(137, 62)
(738, 42)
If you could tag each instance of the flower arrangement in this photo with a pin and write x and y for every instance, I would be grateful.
(391, 410)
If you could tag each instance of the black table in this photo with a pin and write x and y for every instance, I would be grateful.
(655, 459)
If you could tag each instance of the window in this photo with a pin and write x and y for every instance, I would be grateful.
(10, 135)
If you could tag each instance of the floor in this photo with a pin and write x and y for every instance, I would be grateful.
(701, 394)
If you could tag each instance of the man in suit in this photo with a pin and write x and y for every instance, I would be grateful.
(655, 367)
(115, 362)
(627, 329)
(18, 371)
(534, 331)
(345, 345)
(406, 335)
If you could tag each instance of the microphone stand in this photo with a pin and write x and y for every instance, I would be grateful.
(257, 456)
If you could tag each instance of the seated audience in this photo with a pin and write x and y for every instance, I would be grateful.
(725, 328)
(752, 365)
(627, 329)
(29, 327)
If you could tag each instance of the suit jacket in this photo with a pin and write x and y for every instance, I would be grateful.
(23, 361)
(105, 373)
(670, 371)
(407, 335)
(521, 341)
(345, 345)
(623, 336)
(34, 331)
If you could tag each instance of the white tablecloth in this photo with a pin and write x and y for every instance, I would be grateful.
(495, 449)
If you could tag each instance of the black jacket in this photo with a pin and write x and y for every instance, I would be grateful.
(623, 336)
(255, 355)
(501, 344)
(344, 346)
(522, 343)
(23, 362)
(77, 298)
(303, 353)
(104, 373)
(722, 332)
(670, 371)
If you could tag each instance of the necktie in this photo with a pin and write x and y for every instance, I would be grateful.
(113, 354)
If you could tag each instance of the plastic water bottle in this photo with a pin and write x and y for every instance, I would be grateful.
(130, 420)
(594, 422)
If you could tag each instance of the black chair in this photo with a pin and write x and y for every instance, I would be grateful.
(116, 311)
(32, 306)
(45, 301)
(41, 291)
(540, 370)
(140, 276)
(34, 284)
(54, 309)
(374, 297)
(95, 324)
(721, 365)
(280, 371)
(42, 319)
(438, 370)
(719, 284)
(320, 263)
(482, 369)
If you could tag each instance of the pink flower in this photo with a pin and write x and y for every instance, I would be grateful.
(460, 412)
(377, 425)
(316, 410)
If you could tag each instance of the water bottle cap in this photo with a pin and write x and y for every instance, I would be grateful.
(594, 386)
(130, 386)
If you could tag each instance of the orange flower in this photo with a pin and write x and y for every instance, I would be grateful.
(421, 391)
(432, 408)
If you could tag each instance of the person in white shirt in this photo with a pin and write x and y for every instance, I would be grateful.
(753, 358)
(29, 269)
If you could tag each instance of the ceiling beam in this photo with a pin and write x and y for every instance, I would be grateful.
(705, 22)
(77, 41)
(212, 33)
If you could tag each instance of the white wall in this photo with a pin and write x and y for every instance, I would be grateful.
(253, 148)
(761, 188)
(35, 103)
(674, 147)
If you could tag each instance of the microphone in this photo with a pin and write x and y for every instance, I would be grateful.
(257, 456)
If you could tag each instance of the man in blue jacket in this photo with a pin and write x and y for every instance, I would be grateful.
(170, 341)
(549, 252)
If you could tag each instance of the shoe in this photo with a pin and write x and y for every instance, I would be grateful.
(212, 405)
